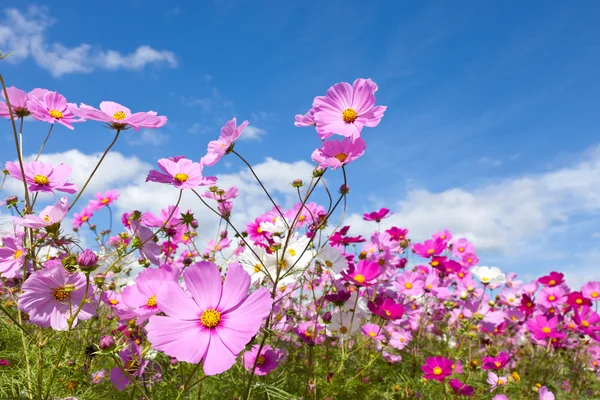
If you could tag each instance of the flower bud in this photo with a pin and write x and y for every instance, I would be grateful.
(11, 200)
(188, 261)
(318, 172)
(297, 183)
(99, 279)
(344, 189)
(87, 260)
(213, 189)
(327, 317)
(194, 224)
(106, 342)
(173, 361)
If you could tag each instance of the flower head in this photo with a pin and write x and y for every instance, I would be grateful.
(438, 368)
(43, 177)
(118, 116)
(461, 388)
(230, 132)
(377, 216)
(266, 362)
(52, 107)
(489, 275)
(12, 257)
(18, 101)
(48, 216)
(183, 174)
(104, 199)
(337, 153)
(215, 323)
(364, 273)
(552, 279)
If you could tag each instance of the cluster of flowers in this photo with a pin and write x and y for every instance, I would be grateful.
(286, 282)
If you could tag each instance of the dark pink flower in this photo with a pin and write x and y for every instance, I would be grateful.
(495, 363)
(438, 368)
(364, 273)
(377, 216)
(386, 308)
(552, 279)
(266, 362)
(461, 388)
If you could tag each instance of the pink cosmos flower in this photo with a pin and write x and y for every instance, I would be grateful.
(430, 248)
(346, 109)
(141, 297)
(386, 308)
(266, 362)
(469, 260)
(147, 247)
(103, 200)
(51, 296)
(438, 368)
(215, 323)
(42, 177)
(337, 153)
(98, 376)
(544, 328)
(552, 296)
(372, 331)
(377, 216)
(12, 257)
(495, 363)
(18, 101)
(170, 217)
(591, 290)
(230, 132)
(545, 394)
(81, 218)
(133, 363)
(183, 174)
(461, 247)
(118, 116)
(461, 388)
(52, 107)
(400, 339)
(222, 195)
(552, 279)
(364, 273)
(307, 119)
(496, 381)
(48, 216)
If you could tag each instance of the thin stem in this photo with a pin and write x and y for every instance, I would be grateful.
(44, 144)
(95, 169)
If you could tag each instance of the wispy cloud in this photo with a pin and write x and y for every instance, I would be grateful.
(25, 34)
(252, 133)
(151, 137)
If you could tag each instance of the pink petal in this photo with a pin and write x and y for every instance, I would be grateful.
(203, 280)
(235, 288)
(184, 340)
(173, 301)
(218, 358)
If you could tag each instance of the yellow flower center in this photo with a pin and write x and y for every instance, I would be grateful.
(485, 279)
(181, 177)
(119, 115)
(552, 282)
(151, 301)
(408, 285)
(428, 286)
(55, 114)
(578, 301)
(585, 324)
(210, 318)
(430, 251)
(328, 263)
(260, 360)
(349, 115)
(435, 263)
(359, 278)
(546, 329)
(132, 366)
(259, 230)
(17, 254)
(46, 218)
(60, 294)
(500, 382)
(551, 297)
(341, 157)
(461, 274)
(84, 218)
(497, 364)
(372, 334)
(343, 329)
(461, 249)
(301, 218)
(283, 288)
(40, 180)
(114, 302)
(516, 376)
(257, 268)
(105, 200)
(388, 313)
(292, 252)
(185, 238)
(594, 295)
(437, 371)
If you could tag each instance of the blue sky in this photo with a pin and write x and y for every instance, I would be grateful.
(492, 116)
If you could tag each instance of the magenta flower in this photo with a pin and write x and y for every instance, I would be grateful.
(552, 296)
(495, 363)
(544, 328)
(12, 257)
(81, 218)
(51, 296)
(183, 174)
(42, 177)
(346, 109)
(141, 297)
(133, 363)
(52, 107)
(438, 368)
(266, 362)
(103, 200)
(552, 279)
(461, 247)
(119, 117)
(372, 331)
(230, 132)
(18, 101)
(591, 290)
(430, 247)
(461, 388)
(377, 216)
(48, 216)
(144, 241)
(215, 323)
(337, 153)
(386, 308)
(364, 273)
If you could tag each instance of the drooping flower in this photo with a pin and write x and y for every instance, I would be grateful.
(103, 200)
(337, 153)
(346, 109)
(118, 116)
(133, 363)
(51, 297)
(50, 215)
(438, 368)
(215, 323)
(18, 101)
(386, 308)
(144, 242)
(52, 107)
(230, 132)
(377, 216)
(495, 363)
(489, 275)
(12, 257)
(183, 174)
(461, 388)
(266, 362)
(43, 177)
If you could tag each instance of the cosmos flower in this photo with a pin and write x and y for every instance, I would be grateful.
(266, 362)
(43, 177)
(346, 109)
(372, 331)
(215, 323)
(438, 368)
(183, 174)
(364, 273)
(133, 363)
(50, 215)
(141, 296)
(489, 275)
(461, 388)
(12, 257)
(230, 132)
(337, 153)
(51, 296)
(377, 216)
(52, 107)
(118, 116)
(18, 101)
(104, 200)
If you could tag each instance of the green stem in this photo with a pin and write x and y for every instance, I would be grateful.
(44, 144)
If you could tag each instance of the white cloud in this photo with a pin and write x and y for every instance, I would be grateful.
(252, 133)
(150, 137)
(25, 35)
(500, 216)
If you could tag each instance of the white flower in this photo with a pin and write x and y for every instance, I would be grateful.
(489, 274)
(252, 265)
(333, 260)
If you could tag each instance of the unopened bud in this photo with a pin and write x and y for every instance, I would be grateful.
(327, 317)
(297, 183)
(11, 200)
(106, 342)
(99, 279)
(344, 189)
(87, 260)
(318, 172)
